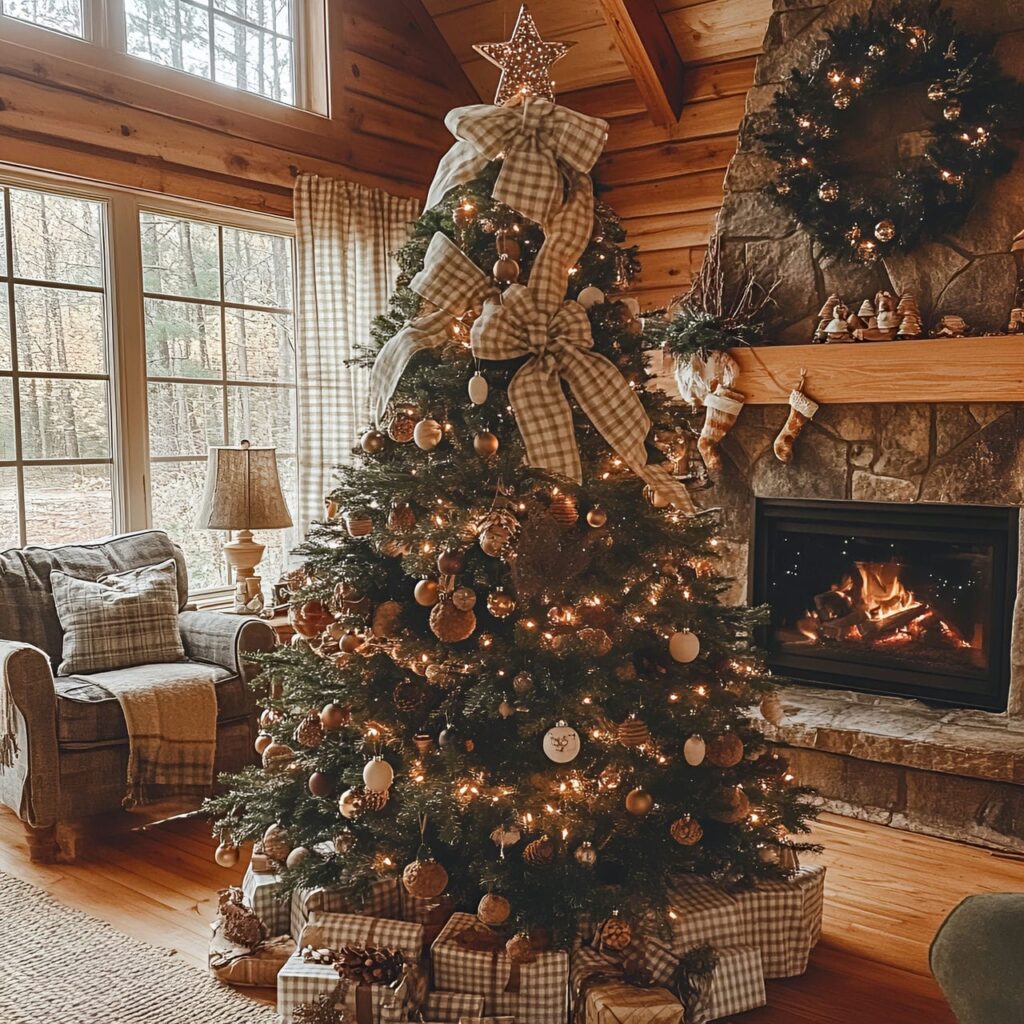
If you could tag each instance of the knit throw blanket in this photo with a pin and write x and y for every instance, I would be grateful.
(172, 728)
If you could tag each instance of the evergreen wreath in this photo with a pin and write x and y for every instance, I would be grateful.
(916, 44)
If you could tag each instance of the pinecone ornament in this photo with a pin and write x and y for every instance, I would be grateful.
(540, 853)
(686, 831)
(310, 731)
(615, 934)
(237, 922)
(368, 965)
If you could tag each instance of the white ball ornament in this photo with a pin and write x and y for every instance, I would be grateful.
(478, 389)
(590, 296)
(297, 858)
(694, 750)
(427, 434)
(378, 775)
(684, 646)
(561, 743)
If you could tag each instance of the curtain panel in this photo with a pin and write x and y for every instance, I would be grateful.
(346, 237)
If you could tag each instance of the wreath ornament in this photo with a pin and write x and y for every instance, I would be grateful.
(913, 44)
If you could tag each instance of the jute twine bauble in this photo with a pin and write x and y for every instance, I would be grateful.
(425, 878)
(450, 624)
(358, 523)
(520, 949)
(725, 750)
(686, 831)
(310, 731)
(540, 853)
(729, 804)
(633, 732)
(615, 933)
(493, 909)
(387, 619)
(276, 844)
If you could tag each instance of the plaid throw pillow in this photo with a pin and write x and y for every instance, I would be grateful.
(128, 618)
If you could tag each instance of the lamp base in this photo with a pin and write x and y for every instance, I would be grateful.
(243, 555)
(248, 598)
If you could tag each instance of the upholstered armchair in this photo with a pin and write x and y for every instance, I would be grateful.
(66, 754)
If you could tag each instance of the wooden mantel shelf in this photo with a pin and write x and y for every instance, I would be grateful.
(987, 369)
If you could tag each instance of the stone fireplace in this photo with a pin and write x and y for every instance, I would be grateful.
(946, 759)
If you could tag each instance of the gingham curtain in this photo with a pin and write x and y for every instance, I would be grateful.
(346, 235)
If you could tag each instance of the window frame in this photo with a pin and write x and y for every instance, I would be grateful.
(125, 306)
(104, 29)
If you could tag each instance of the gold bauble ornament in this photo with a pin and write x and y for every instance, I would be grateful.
(519, 949)
(540, 853)
(333, 716)
(310, 731)
(485, 444)
(276, 844)
(493, 909)
(277, 757)
(684, 646)
(427, 434)
(729, 804)
(500, 604)
(350, 803)
(464, 598)
(505, 270)
(725, 750)
(319, 784)
(597, 517)
(387, 619)
(686, 831)
(450, 624)
(615, 933)
(425, 593)
(639, 802)
(450, 561)
(586, 855)
(563, 509)
(424, 878)
(633, 732)
(885, 231)
(493, 539)
(372, 441)
(262, 742)
(402, 428)
(226, 854)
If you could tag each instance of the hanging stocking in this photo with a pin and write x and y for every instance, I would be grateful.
(722, 406)
(801, 410)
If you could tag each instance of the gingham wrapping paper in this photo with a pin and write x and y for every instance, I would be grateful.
(383, 901)
(533, 139)
(704, 913)
(337, 930)
(586, 960)
(737, 984)
(260, 889)
(300, 983)
(543, 985)
(616, 1002)
(783, 920)
(450, 1007)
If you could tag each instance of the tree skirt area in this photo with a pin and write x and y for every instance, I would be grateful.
(59, 964)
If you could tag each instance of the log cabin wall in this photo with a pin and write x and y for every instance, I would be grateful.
(665, 181)
(70, 107)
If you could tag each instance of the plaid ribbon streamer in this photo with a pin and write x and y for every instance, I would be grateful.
(534, 139)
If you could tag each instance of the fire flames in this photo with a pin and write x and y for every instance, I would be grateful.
(875, 606)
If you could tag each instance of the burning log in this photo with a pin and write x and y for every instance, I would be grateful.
(889, 623)
(832, 604)
(836, 629)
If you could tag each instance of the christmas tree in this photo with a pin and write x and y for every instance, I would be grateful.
(513, 677)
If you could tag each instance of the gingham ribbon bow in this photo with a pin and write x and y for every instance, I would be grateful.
(533, 139)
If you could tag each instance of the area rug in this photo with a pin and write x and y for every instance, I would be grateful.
(58, 964)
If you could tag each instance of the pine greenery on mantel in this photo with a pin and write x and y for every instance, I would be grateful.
(916, 45)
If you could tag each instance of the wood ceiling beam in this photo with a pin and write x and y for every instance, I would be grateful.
(650, 54)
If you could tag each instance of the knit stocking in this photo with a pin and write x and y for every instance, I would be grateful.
(801, 410)
(722, 406)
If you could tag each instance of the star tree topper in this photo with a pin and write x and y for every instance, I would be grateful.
(525, 61)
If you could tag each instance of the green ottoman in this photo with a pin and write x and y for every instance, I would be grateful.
(976, 958)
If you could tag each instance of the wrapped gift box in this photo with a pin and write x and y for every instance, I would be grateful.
(737, 984)
(533, 993)
(702, 912)
(383, 901)
(783, 920)
(335, 931)
(433, 914)
(452, 1007)
(262, 894)
(300, 982)
(236, 965)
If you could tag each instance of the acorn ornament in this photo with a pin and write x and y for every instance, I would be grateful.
(226, 854)
(561, 743)
(684, 646)
(378, 775)
(478, 388)
(686, 831)
(427, 434)
(694, 751)
(493, 910)
(725, 750)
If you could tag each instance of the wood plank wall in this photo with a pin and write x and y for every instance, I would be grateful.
(74, 109)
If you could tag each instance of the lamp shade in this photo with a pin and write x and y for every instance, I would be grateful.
(243, 490)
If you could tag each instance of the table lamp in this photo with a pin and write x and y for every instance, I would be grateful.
(243, 493)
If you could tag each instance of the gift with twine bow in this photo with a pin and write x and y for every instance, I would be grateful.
(534, 141)
(535, 323)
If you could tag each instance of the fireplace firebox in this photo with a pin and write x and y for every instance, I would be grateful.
(911, 600)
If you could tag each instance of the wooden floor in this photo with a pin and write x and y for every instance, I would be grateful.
(886, 893)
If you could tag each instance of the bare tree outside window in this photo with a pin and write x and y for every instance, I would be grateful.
(220, 352)
(247, 44)
(59, 15)
(56, 457)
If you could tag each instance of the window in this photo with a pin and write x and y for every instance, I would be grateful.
(220, 368)
(61, 15)
(56, 450)
(247, 44)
